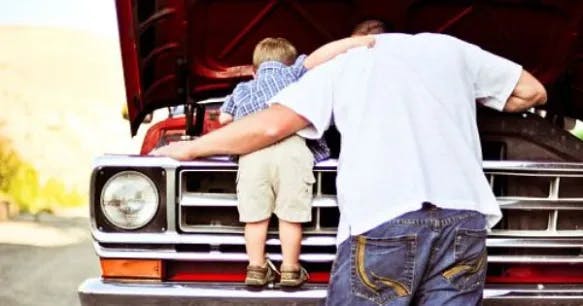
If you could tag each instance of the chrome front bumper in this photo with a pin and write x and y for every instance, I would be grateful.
(96, 292)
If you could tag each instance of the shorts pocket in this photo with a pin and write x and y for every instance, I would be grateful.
(382, 268)
(469, 269)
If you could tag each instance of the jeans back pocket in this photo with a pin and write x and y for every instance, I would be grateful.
(468, 272)
(382, 268)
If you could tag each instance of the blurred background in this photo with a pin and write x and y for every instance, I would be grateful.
(61, 96)
(61, 99)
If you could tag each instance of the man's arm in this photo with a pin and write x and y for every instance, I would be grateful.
(249, 134)
(331, 49)
(527, 93)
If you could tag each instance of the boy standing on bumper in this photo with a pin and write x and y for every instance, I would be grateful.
(278, 179)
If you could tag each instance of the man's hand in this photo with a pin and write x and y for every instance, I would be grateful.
(180, 150)
(368, 41)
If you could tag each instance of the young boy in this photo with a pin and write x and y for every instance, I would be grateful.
(278, 179)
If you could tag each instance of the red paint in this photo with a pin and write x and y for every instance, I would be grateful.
(539, 274)
(221, 272)
(216, 39)
(177, 124)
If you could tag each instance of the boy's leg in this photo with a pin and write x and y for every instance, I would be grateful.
(255, 235)
(293, 204)
(255, 204)
(290, 235)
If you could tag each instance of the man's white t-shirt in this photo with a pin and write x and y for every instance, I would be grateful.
(406, 112)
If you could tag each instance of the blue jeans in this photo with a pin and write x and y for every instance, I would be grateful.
(431, 256)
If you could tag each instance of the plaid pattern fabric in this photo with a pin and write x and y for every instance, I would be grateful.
(252, 96)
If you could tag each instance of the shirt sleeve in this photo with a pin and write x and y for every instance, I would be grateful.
(494, 77)
(229, 106)
(298, 69)
(312, 98)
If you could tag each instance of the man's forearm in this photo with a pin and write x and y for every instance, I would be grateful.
(251, 133)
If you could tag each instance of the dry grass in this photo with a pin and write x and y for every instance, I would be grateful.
(61, 94)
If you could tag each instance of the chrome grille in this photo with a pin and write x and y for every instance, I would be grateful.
(538, 200)
(208, 202)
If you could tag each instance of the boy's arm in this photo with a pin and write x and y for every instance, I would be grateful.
(331, 49)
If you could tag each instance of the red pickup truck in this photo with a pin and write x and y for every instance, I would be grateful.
(167, 232)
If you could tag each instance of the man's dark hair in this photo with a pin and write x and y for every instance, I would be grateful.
(369, 26)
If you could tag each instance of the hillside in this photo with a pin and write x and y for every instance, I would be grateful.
(61, 94)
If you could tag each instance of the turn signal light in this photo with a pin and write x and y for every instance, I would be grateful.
(132, 268)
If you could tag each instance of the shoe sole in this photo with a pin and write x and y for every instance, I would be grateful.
(291, 284)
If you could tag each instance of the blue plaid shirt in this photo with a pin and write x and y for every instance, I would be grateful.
(252, 96)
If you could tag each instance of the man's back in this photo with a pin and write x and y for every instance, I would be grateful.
(426, 148)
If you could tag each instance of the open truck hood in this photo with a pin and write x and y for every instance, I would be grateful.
(175, 51)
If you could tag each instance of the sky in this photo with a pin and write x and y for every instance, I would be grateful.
(97, 16)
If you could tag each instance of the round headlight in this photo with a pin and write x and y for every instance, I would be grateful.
(129, 200)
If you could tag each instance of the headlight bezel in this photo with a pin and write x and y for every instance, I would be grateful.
(157, 176)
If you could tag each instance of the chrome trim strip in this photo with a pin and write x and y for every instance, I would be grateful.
(532, 166)
(242, 257)
(533, 243)
(214, 256)
(532, 174)
(225, 161)
(554, 295)
(191, 199)
(219, 230)
(212, 239)
(534, 259)
(538, 233)
(96, 286)
(171, 253)
(119, 160)
(125, 160)
(188, 199)
(538, 204)
(215, 199)
(170, 174)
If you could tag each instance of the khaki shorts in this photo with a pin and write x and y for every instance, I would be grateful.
(277, 179)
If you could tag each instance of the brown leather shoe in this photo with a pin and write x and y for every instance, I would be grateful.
(260, 276)
(293, 278)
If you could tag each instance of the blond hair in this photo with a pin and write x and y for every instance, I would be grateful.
(274, 49)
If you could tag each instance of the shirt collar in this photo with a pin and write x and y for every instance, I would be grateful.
(270, 65)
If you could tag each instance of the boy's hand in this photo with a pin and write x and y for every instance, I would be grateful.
(179, 150)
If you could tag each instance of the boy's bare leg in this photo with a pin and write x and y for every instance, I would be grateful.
(255, 236)
(290, 235)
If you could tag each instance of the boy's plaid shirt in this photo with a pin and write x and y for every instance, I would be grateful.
(252, 96)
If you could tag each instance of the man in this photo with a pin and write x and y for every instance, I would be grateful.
(414, 202)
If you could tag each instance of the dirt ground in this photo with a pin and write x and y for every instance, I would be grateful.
(43, 262)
